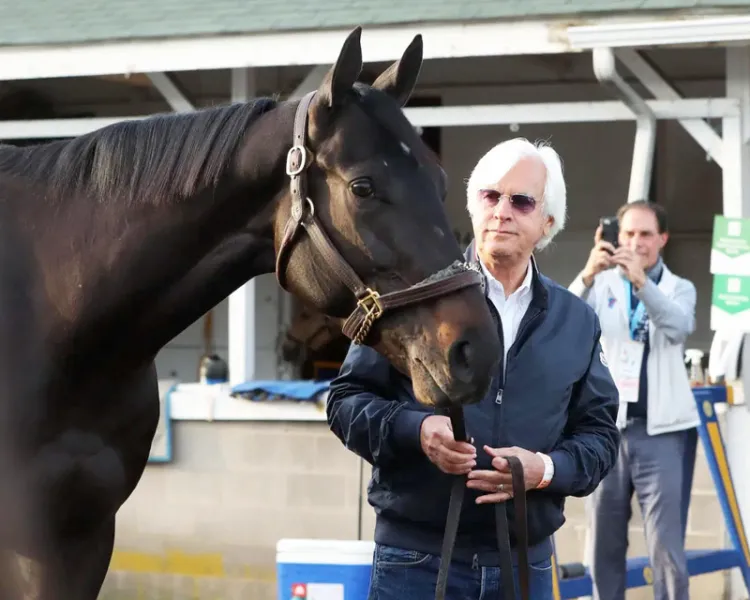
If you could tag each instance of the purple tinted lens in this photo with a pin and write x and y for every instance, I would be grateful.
(522, 202)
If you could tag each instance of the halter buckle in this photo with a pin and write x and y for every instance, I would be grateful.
(373, 310)
(370, 304)
(295, 154)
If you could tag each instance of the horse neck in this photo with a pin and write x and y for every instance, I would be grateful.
(146, 270)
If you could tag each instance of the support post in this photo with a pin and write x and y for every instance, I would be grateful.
(736, 135)
(654, 82)
(736, 203)
(242, 302)
(174, 96)
(605, 70)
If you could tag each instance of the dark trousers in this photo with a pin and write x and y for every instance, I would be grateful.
(657, 470)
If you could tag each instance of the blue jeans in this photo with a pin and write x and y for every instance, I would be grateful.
(399, 574)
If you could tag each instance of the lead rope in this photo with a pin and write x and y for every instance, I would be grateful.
(458, 425)
(454, 507)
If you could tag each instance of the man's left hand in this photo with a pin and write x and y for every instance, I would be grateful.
(490, 480)
(631, 266)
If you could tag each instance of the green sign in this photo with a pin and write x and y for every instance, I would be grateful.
(731, 294)
(730, 246)
(730, 302)
(731, 236)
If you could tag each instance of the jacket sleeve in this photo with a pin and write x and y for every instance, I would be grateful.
(364, 413)
(579, 288)
(674, 316)
(591, 439)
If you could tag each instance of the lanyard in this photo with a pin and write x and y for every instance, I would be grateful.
(634, 316)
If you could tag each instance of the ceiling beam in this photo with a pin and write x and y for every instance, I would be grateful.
(168, 88)
(443, 116)
(312, 81)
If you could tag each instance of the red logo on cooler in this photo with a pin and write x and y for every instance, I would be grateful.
(299, 590)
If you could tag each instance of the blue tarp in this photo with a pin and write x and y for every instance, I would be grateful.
(303, 390)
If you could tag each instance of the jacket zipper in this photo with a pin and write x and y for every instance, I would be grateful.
(501, 380)
(497, 426)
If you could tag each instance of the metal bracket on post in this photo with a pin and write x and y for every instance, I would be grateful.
(605, 70)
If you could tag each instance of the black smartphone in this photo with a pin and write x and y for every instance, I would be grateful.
(610, 230)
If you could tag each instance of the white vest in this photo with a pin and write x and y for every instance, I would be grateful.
(671, 406)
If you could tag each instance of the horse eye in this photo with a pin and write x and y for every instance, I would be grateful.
(362, 187)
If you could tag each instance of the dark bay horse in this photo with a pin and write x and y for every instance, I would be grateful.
(114, 242)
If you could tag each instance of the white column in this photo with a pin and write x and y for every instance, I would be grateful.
(242, 303)
(242, 333)
(172, 93)
(736, 135)
(736, 183)
(605, 69)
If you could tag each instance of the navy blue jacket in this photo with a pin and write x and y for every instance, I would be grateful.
(557, 398)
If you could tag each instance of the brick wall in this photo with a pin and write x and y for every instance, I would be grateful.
(206, 526)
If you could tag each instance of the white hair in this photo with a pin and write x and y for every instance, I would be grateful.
(494, 165)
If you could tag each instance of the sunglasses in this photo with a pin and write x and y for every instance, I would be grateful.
(523, 203)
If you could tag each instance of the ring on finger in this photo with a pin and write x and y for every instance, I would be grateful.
(500, 487)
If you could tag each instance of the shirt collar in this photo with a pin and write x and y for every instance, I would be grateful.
(522, 290)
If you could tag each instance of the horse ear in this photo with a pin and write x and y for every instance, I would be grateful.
(399, 79)
(342, 76)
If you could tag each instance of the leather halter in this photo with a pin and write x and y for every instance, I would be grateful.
(371, 305)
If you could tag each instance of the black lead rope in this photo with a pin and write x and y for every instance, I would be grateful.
(501, 523)
(458, 424)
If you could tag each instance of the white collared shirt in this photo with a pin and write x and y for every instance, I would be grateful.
(511, 309)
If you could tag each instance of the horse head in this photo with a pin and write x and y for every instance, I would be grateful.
(361, 232)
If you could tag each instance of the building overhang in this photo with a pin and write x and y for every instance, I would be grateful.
(274, 49)
(643, 33)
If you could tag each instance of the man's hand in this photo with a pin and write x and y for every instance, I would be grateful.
(600, 258)
(631, 266)
(490, 481)
(450, 456)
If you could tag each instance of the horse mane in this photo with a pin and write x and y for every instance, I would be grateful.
(164, 156)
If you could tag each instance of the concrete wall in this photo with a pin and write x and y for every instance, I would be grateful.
(206, 526)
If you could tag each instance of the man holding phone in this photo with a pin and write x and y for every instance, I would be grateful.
(646, 313)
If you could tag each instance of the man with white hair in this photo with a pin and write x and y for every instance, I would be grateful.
(552, 403)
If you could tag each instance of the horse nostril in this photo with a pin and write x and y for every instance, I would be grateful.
(461, 360)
